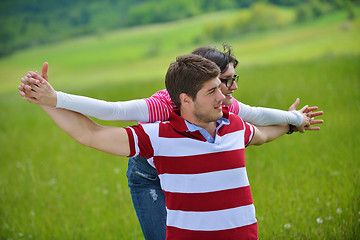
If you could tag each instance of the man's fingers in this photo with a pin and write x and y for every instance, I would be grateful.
(29, 91)
(317, 121)
(315, 114)
(304, 108)
(312, 128)
(26, 88)
(32, 100)
(29, 80)
(35, 75)
(311, 109)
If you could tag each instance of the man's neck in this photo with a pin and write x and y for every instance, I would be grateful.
(210, 127)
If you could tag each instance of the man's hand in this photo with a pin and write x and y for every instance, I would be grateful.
(308, 115)
(34, 88)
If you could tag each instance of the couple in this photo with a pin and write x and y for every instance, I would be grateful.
(198, 154)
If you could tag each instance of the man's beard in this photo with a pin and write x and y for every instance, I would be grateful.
(205, 117)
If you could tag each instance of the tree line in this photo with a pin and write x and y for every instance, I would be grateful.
(264, 16)
(26, 23)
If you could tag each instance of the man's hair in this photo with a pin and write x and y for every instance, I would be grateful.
(187, 75)
(222, 59)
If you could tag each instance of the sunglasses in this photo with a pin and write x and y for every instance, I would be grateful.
(230, 81)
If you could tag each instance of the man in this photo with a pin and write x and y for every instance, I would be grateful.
(205, 158)
(143, 180)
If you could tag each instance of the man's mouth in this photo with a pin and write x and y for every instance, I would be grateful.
(219, 107)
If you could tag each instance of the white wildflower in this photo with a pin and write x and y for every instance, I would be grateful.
(319, 220)
(328, 218)
(287, 225)
(53, 181)
(339, 211)
(19, 165)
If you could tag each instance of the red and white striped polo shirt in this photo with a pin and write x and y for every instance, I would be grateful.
(205, 184)
(160, 106)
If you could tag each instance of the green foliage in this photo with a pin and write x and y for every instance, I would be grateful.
(260, 17)
(27, 23)
(163, 11)
(305, 186)
(311, 9)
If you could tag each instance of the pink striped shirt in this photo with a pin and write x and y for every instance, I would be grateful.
(160, 106)
(206, 186)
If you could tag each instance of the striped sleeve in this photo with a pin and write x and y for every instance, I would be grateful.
(139, 142)
(160, 106)
(249, 133)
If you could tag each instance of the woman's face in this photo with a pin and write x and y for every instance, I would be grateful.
(228, 91)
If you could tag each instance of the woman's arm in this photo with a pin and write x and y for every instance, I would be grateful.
(135, 110)
(261, 116)
(155, 108)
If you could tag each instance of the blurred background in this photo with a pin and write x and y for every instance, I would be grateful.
(305, 186)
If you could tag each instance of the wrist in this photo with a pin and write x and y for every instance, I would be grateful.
(291, 129)
(299, 118)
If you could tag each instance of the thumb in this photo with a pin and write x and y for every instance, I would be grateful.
(44, 71)
(294, 105)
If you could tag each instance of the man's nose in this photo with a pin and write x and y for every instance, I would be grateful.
(220, 95)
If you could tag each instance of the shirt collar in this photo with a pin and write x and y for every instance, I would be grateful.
(192, 127)
(182, 125)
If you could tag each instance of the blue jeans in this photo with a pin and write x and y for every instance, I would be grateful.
(148, 198)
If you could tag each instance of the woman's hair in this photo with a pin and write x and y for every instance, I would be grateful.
(221, 58)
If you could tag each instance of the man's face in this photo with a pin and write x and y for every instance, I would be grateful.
(230, 72)
(207, 105)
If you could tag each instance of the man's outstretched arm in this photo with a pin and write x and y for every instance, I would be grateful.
(112, 140)
(268, 133)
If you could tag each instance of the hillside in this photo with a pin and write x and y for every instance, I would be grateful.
(28, 23)
(144, 53)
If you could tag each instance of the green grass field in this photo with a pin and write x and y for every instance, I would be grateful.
(305, 186)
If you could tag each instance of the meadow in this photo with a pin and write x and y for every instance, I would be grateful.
(305, 186)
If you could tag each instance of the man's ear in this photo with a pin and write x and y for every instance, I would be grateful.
(185, 99)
